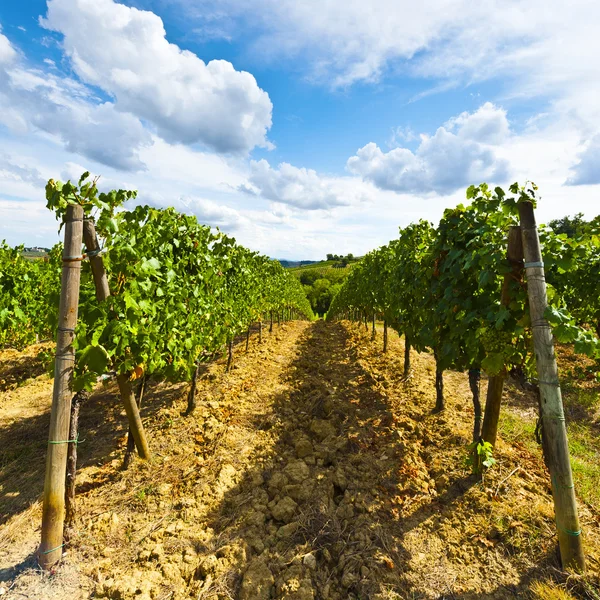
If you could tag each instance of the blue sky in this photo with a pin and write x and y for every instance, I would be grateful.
(300, 128)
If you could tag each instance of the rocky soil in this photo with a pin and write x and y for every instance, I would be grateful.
(312, 470)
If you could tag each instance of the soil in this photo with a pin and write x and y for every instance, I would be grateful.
(312, 470)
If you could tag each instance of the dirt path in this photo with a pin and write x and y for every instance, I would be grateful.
(310, 471)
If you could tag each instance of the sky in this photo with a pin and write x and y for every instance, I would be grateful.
(300, 128)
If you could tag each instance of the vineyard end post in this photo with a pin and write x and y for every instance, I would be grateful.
(53, 515)
(554, 431)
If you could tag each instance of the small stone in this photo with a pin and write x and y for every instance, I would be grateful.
(284, 510)
(322, 429)
(278, 480)
(208, 566)
(255, 518)
(348, 579)
(258, 582)
(171, 572)
(297, 471)
(310, 561)
(285, 531)
(304, 448)
(364, 571)
(164, 489)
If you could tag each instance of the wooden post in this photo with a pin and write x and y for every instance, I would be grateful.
(554, 431)
(247, 338)
(191, 400)
(474, 381)
(278, 318)
(514, 254)
(97, 264)
(133, 415)
(229, 355)
(102, 293)
(385, 335)
(439, 385)
(374, 333)
(53, 515)
(78, 399)
(260, 332)
(406, 356)
(130, 441)
(271, 323)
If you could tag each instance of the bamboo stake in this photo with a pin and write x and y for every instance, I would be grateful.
(102, 293)
(554, 431)
(514, 254)
(50, 550)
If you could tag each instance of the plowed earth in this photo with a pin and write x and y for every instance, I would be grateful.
(310, 470)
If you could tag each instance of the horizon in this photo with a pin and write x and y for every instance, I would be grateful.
(297, 128)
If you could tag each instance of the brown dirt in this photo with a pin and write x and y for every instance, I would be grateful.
(311, 470)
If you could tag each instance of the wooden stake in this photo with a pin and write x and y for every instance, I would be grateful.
(97, 264)
(373, 333)
(191, 400)
(271, 323)
(385, 336)
(474, 381)
(102, 293)
(439, 385)
(247, 338)
(514, 254)
(130, 441)
(229, 355)
(554, 431)
(260, 332)
(133, 414)
(406, 356)
(53, 515)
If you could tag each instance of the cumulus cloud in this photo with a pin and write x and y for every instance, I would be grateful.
(302, 188)
(124, 51)
(458, 154)
(31, 99)
(587, 170)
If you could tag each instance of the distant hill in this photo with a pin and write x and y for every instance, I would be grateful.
(290, 264)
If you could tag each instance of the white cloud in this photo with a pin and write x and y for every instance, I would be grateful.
(31, 99)
(124, 51)
(457, 155)
(303, 188)
(587, 170)
(7, 52)
(11, 170)
(487, 125)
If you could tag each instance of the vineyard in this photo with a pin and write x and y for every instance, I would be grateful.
(283, 456)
